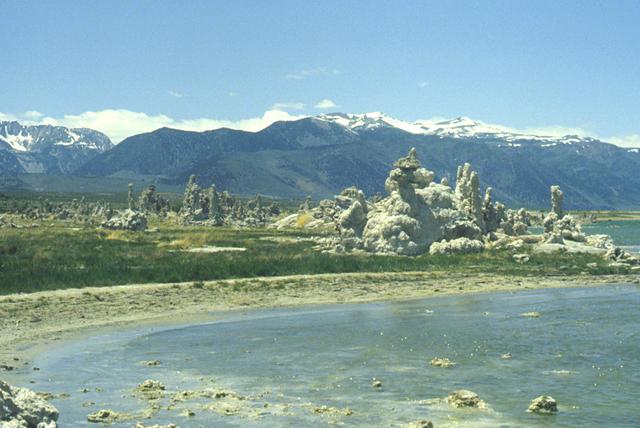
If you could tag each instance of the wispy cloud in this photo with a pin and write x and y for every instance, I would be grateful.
(632, 140)
(423, 84)
(306, 73)
(232, 94)
(287, 106)
(175, 94)
(325, 104)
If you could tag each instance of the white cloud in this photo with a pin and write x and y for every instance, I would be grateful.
(303, 74)
(555, 131)
(632, 140)
(232, 94)
(287, 106)
(32, 114)
(175, 94)
(120, 124)
(325, 104)
(423, 84)
(6, 117)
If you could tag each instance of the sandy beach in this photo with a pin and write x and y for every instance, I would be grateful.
(32, 322)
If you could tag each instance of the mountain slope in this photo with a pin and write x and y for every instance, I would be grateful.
(47, 149)
(322, 155)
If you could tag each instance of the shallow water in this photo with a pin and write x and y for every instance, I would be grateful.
(625, 234)
(584, 350)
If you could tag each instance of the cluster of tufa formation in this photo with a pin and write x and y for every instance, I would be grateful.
(134, 218)
(127, 220)
(417, 216)
(330, 213)
(212, 208)
(78, 211)
(559, 226)
(23, 408)
(420, 215)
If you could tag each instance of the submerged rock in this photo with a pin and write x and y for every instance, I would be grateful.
(543, 404)
(108, 416)
(465, 398)
(141, 425)
(23, 408)
(332, 411)
(151, 363)
(422, 423)
(150, 389)
(532, 314)
(442, 362)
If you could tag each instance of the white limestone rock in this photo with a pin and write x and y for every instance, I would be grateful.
(23, 408)
(457, 246)
(127, 220)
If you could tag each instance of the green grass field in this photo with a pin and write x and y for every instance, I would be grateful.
(57, 255)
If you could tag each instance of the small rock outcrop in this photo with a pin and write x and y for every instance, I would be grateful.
(559, 226)
(442, 362)
(127, 220)
(23, 408)
(543, 404)
(457, 246)
(107, 416)
(465, 398)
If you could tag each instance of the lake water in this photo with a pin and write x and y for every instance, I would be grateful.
(625, 234)
(584, 350)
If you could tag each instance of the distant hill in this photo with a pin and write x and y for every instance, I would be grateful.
(319, 156)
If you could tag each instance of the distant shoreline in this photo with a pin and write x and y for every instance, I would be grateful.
(33, 323)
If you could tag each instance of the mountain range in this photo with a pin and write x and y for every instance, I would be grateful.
(48, 149)
(321, 155)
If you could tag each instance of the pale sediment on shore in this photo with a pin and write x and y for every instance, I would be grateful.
(33, 321)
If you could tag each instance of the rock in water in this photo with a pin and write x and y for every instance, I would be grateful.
(23, 408)
(442, 362)
(543, 404)
(422, 423)
(465, 398)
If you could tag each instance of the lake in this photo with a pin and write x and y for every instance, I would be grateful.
(584, 350)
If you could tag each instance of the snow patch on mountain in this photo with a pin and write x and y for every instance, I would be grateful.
(31, 138)
(460, 127)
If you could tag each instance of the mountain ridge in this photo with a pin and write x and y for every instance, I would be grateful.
(48, 148)
(321, 155)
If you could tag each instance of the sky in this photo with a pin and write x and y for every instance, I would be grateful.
(126, 67)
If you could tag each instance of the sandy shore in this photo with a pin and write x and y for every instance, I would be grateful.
(29, 323)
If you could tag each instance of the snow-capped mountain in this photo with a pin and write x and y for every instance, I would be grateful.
(460, 127)
(36, 137)
(322, 155)
(47, 148)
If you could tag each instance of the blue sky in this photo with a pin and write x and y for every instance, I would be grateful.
(127, 66)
